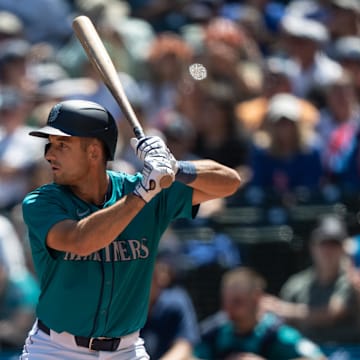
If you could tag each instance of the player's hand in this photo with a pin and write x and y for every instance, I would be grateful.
(155, 168)
(149, 146)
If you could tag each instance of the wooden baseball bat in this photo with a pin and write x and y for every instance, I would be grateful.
(100, 59)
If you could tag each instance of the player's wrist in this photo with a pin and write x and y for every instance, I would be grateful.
(143, 194)
(153, 172)
(186, 172)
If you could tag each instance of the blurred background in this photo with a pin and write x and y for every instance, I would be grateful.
(280, 103)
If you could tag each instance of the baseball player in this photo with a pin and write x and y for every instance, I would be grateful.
(94, 233)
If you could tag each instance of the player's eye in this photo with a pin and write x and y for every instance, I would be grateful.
(62, 145)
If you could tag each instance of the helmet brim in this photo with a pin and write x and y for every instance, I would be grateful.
(46, 131)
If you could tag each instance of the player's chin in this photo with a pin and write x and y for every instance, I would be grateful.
(58, 179)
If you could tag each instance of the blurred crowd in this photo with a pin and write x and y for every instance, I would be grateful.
(280, 103)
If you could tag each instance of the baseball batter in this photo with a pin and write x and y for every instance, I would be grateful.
(94, 233)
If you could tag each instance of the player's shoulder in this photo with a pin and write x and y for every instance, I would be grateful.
(45, 191)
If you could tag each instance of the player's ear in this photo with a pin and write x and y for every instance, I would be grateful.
(95, 150)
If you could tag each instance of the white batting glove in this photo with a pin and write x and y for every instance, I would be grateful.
(154, 170)
(149, 146)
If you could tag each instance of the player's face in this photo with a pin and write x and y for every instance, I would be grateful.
(68, 159)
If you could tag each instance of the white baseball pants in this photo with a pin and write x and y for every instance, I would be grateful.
(62, 346)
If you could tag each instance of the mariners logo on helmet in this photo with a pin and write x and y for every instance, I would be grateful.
(54, 113)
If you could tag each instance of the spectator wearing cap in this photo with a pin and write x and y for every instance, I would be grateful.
(14, 65)
(346, 51)
(287, 158)
(277, 74)
(11, 26)
(304, 41)
(320, 300)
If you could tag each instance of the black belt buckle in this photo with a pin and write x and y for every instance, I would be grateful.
(98, 344)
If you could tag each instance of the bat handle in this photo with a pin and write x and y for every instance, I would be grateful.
(166, 180)
(139, 133)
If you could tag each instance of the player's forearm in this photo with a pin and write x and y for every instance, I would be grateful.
(210, 178)
(96, 230)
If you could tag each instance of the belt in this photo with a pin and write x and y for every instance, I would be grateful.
(96, 344)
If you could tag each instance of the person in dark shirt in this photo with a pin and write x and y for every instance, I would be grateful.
(171, 329)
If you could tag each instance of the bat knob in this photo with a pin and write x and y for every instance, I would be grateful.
(166, 181)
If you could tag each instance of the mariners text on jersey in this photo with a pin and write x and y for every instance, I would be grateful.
(118, 250)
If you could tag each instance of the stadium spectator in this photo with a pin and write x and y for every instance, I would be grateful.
(18, 299)
(179, 133)
(14, 65)
(171, 329)
(277, 74)
(343, 18)
(304, 41)
(12, 249)
(341, 109)
(238, 332)
(18, 290)
(346, 50)
(168, 58)
(338, 132)
(18, 153)
(11, 26)
(231, 57)
(290, 159)
(219, 135)
(54, 28)
(320, 300)
(352, 250)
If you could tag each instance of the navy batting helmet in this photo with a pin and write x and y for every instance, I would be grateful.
(84, 119)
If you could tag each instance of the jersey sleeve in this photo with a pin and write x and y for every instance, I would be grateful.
(42, 209)
(178, 203)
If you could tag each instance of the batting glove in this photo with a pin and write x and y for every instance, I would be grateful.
(154, 170)
(149, 146)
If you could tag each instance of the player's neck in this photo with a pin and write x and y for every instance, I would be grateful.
(93, 190)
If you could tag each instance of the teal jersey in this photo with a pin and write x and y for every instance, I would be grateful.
(105, 293)
(270, 339)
